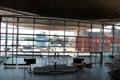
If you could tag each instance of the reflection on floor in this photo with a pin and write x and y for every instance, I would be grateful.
(97, 72)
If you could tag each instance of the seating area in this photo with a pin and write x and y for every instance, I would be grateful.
(54, 69)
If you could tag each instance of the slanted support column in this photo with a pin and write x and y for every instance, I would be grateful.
(6, 41)
(0, 34)
(78, 39)
(64, 37)
(91, 50)
(113, 35)
(102, 44)
(17, 38)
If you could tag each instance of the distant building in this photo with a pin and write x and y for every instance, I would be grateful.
(94, 43)
(42, 40)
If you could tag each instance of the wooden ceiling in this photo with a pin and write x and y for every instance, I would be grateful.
(77, 9)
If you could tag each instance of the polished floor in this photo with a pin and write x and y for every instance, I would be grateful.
(97, 72)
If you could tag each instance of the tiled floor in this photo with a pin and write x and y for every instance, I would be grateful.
(97, 72)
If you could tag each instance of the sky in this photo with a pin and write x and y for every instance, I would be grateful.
(23, 30)
(69, 33)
